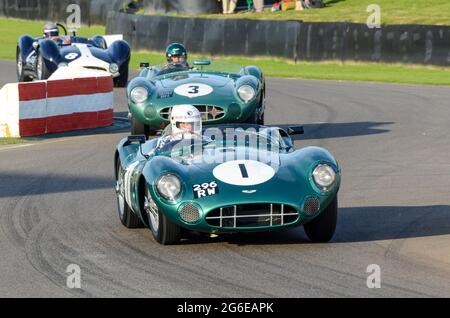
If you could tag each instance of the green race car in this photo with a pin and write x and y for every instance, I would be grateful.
(221, 94)
(231, 179)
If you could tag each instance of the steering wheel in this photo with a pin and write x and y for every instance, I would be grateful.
(63, 28)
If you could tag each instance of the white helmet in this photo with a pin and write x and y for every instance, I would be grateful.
(186, 120)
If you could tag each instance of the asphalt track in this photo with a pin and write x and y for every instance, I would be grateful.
(58, 207)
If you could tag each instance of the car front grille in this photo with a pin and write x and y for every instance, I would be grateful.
(252, 216)
(207, 112)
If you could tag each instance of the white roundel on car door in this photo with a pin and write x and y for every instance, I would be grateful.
(194, 90)
(244, 172)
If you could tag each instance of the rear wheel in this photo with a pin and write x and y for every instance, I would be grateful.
(163, 230)
(322, 228)
(126, 216)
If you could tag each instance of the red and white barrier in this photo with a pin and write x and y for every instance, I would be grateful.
(53, 106)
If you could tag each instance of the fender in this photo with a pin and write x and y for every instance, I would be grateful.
(120, 52)
(25, 45)
(99, 42)
(255, 71)
(49, 50)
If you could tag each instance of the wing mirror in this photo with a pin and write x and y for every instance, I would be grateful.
(202, 62)
(137, 139)
(295, 130)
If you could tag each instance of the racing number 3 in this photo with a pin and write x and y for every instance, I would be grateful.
(194, 90)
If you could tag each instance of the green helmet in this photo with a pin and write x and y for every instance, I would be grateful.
(175, 49)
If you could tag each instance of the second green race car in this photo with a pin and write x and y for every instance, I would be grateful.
(223, 94)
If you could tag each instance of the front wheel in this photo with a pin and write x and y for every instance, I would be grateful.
(163, 230)
(20, 67)
(138, 128)
(322, 228)
(42, 71)
(122, 79)
(126, 216)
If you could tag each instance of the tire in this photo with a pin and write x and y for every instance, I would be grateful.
(21, 77)
(42, 72)
(253, 119)
(138, 128)
(322, 228)
(126, 216)
(122, 80)
(163, 230)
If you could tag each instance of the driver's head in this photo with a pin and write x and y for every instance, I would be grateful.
(51, 31)
(186, 120)
(176, 54)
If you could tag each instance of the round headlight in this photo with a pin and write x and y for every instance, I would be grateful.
(324, 176)
(139, 95)
(114, 68)
(169, 187)
(246, 93)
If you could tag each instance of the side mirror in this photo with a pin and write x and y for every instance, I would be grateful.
(295, 130)
(144, 65)
(202, 62)
(73, 32)
(136, 139)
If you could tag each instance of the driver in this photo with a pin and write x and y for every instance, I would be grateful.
(51, 31)
(176, 55)
(185, 123)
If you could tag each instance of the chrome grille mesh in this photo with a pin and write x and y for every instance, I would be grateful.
(311, 206)
(190, 213)
(252, 216)
(207, 112)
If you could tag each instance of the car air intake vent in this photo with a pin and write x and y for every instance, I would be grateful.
(311, 206)
(208, 113)
(190, 213)
(252, 216)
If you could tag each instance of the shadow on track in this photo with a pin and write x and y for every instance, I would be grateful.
(362, 224)
(340, 130)
(26, 184)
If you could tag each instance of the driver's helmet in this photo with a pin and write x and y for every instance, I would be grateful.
(51, 31)
(176, 53)
(185, 120)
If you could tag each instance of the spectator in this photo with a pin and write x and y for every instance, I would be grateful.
(229, 6)
(259, 6)
(250, 5)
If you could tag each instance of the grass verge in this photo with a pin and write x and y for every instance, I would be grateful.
(11, 141)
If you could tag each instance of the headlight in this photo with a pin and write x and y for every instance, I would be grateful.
(246, 93)
(139, 95)
(324, 177)
(169, 187)
(114, 68)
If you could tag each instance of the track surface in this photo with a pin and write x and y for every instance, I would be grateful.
(57, 207)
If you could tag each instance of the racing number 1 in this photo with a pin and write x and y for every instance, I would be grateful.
(244, 171)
